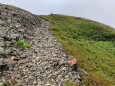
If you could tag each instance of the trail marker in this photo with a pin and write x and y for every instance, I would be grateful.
(73, 61)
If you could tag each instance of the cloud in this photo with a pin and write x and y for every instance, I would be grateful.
(98, 10)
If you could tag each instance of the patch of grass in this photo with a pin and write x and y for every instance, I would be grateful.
(92, 43)
(23, 44)
(93, 81)
(70, 83)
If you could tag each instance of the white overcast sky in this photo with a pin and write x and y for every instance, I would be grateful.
(99, 10)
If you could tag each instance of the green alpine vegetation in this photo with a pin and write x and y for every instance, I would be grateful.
(23, 44)
(91, 43)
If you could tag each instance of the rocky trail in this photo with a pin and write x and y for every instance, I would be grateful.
(44, 64)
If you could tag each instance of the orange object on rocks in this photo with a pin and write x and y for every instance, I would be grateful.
(73, 61)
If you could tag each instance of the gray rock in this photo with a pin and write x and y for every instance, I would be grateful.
(2, 51)
(35, 82)
(24, 61)
(1, 42)
(64, 68)
(1, 60)
(14, 36)
(15, 69)
(3, 31)
(23, 81)
(10, 68)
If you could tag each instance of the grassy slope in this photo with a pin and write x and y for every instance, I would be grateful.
(92, 43)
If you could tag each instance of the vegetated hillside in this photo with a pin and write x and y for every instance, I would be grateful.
(92, 43)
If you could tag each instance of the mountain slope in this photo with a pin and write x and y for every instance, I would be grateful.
(30, 55)
(92, 43)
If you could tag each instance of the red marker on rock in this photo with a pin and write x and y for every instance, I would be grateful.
(74, 65)
(73, 61)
